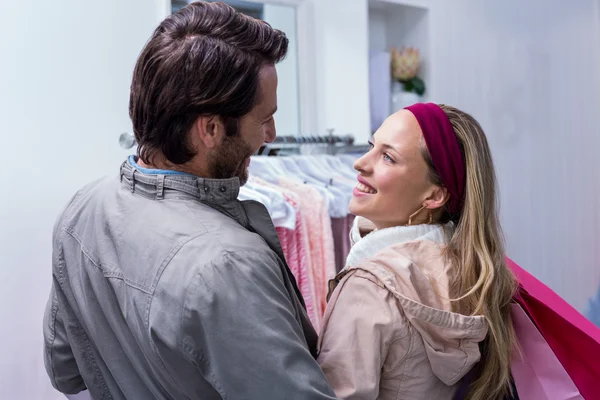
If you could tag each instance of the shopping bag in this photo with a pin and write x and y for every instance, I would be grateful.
(574, 340)
(535, 368)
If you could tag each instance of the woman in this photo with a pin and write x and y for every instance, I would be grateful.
(425, 294)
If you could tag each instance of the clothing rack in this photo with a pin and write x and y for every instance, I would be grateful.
(307, 195)
(330, 144)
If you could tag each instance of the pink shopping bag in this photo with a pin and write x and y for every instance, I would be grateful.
(572, 338)
(536, 371)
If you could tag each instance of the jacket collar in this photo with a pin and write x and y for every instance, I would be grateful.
(161, 184)
(367, 242)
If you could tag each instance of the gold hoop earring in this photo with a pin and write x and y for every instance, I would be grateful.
(414, 215)
(417, 213)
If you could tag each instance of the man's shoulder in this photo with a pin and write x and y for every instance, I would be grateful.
(226, 247)
(217, 264)
(77, 197)
(232, 275)
(98, 185)
(218, 251)
(206, 271)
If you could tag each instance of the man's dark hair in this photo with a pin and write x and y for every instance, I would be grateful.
(203, 60)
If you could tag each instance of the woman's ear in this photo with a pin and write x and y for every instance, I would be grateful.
(437, 198)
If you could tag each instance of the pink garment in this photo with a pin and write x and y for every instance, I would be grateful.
(320, 242)
(295, 246)
(288, 244)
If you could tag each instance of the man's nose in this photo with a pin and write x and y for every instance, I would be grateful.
(270, 133)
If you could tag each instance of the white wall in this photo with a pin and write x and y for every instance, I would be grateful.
(342, 67)
(378, 37)
(287, 119)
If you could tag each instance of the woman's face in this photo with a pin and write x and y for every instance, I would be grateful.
(393, 179)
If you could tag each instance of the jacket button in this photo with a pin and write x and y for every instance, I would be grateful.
(206, 188)
(223, 189)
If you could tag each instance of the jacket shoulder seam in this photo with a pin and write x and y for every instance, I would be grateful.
(403, 333)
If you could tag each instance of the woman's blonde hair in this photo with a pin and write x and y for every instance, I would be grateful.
(482, 284)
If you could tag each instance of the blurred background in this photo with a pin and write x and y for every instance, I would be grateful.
(528, 71)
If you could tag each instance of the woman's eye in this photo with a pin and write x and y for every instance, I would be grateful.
(387, 158)
(371, 146)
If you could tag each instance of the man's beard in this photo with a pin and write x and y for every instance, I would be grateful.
(229, 160)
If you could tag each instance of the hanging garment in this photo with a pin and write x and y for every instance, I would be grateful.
(338, 229)
(296, 249)
(282, 213)
(320, 237)
(341, 228)
(320, 187)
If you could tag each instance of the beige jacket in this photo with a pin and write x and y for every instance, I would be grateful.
(388, 332)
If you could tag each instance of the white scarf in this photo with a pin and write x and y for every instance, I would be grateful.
(377, 240)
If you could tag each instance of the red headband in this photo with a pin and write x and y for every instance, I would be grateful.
(445, 152)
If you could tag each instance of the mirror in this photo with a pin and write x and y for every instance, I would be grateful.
(282, 17)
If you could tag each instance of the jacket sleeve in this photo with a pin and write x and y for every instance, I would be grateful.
(361, 322)
(59, 360)
(241, 332)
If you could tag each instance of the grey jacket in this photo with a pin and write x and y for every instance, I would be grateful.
(167, 287)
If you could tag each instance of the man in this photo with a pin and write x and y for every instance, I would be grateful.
(165, 285)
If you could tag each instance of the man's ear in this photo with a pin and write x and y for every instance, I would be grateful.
(437, 198)
(210, 130)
